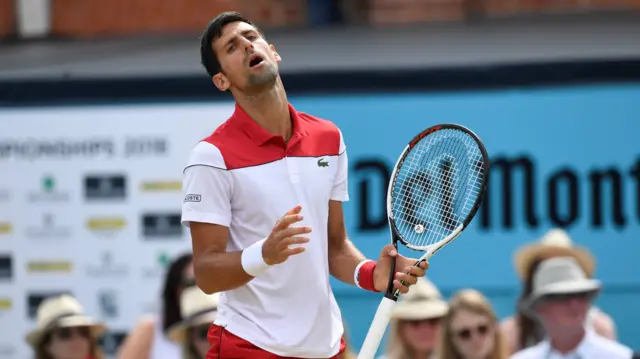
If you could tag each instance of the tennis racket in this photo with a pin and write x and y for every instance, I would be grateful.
(436, 188)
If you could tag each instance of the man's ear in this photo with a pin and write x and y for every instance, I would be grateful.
(221, 81)
(275, 53)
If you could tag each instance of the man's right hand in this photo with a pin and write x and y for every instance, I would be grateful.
(276, 248)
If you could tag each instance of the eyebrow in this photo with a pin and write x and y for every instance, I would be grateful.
(243, 33)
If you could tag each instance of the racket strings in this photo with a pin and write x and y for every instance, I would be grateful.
(436, 187)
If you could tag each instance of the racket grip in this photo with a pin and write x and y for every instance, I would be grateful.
(376, 330)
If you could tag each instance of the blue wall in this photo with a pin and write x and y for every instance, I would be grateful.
(579, 130)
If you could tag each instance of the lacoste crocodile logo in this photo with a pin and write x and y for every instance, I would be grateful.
(323, 164)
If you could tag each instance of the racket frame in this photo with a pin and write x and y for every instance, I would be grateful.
(383, 313)
(431, 250)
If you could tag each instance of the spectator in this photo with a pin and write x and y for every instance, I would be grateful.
(561, 297)
(198, 311)
(64, 331)
(415, 322)
(148, 339)
(470, 330)
(348, 352)
(522, 331)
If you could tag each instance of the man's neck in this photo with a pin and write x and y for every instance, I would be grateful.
(270, 109)
(567, 341)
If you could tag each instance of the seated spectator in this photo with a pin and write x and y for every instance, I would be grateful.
(470, 330)
(198, 311)
(148, 340)
(522, 331)
(64, 331)
(415, 322)
(561, 297)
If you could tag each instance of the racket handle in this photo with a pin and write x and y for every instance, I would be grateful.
(376, 330)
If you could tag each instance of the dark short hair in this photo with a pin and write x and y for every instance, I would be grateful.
(208, 56)
(174, 281)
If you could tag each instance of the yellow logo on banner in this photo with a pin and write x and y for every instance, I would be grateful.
(5, 227)
(161, 186)
(5, 303)
(49, 266)
(105, 223)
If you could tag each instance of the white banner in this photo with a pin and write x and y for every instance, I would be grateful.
(90, 204)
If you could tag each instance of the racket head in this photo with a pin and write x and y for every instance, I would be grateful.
(437, 186)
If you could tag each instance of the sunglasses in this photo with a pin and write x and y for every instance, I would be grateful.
(419, 322)
(68, 333)
(467, 333)
(568, 296)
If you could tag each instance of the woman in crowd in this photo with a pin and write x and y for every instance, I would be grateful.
(148, 339)
(470, 329)
(522, 331)
(415, 322)
(64, 331)
(198, 311)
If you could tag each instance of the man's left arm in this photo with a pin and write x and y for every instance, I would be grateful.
(344, 257)
(346, 262)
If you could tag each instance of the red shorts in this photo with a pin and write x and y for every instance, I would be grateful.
(225, 345)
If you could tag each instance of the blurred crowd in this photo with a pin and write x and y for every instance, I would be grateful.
(553, 318)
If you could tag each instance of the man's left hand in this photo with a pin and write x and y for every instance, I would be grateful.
(405, 270)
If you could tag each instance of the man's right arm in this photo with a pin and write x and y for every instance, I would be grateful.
(215, 269)
(207, 188)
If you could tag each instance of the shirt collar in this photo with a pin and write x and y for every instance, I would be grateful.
(581, 351)
(261, 136)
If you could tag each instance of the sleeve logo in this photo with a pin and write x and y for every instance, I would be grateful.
(192, 198)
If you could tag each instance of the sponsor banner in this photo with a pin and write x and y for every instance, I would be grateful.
(106, 226)
(48, 228)
(554, 164)
(6, 268)
(162, 226)
(161, 186)
(105, 187)
(6, 228)
(49, 266)
(48, 192)
(90, 176)
(35, 298)
(109, 265)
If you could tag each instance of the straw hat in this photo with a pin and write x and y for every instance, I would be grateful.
(196, 308)
(561, 275)
(423, 301)
(554, 243)
(62, 312)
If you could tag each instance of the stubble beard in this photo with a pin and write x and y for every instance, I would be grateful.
(265, 79)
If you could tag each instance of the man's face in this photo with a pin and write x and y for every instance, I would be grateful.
(249, 64)
(565, 311)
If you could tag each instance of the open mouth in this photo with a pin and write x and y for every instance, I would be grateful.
(255, 60)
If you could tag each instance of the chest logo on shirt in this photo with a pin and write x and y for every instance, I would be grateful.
(323, 164)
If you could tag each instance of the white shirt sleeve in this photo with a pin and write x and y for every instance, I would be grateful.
(340, 191)
(207, 187)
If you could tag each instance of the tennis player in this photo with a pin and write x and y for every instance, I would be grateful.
(263, 200)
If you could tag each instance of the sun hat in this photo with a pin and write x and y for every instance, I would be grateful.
(196, 308)
(554, 243)
(560, 275)
(423, 301)
(62, 311)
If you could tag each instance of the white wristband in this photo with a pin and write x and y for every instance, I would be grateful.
(252, 261)
(356, 272)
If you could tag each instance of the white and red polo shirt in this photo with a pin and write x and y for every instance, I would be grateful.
(245, 178)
